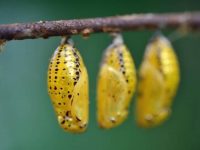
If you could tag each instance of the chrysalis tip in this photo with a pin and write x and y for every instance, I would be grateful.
(117, 39)
(156, 35)
(67, 40)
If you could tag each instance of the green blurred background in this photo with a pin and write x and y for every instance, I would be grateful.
(27, 119)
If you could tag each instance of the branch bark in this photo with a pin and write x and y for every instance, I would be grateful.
(45, 29)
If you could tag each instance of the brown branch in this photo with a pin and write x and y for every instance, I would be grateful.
(45, 29)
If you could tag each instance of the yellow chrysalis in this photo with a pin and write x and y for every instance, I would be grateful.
(158, 82)
(116, 84)
(68, 88)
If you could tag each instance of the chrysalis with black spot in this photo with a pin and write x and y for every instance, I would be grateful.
(68, 87)
(116, 84)
(158, 82)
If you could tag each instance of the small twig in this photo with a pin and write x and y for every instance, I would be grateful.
(45, 29)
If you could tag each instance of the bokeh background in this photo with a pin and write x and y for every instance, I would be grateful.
(27, 119)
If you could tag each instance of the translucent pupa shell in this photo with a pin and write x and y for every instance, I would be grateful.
(68, 88)
(158, 82)
(116, 84)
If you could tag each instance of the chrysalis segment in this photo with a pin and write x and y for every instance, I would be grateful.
(68, 88)
(158, 82)
(116, 85)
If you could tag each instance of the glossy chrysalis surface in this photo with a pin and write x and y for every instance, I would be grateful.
(158, 81)
(68, 88)
(116, 84)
